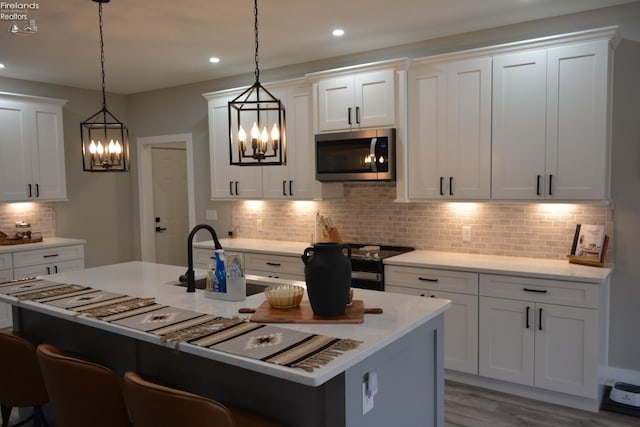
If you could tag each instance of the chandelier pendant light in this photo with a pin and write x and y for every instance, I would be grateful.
(105, 139)
(257, 130)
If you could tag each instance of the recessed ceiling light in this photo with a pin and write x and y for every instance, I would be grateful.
(214, 59)
(338, 32)
(1, 66)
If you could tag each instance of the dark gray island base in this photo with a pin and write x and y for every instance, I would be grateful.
(409, 369)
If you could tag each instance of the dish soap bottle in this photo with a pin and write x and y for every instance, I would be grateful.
(209, 280)
(220, 282)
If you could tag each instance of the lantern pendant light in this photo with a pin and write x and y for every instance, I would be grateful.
(105, 139)
(257, 112)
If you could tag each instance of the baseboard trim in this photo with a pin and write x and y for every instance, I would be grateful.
(583, 403)
(623, 375)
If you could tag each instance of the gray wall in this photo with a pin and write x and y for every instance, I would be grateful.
(113, 198)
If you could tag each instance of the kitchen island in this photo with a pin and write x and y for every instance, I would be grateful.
(402, 347)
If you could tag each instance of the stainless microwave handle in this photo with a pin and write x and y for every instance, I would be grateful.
(372, 154)
(364, 275)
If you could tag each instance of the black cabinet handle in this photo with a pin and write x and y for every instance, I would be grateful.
(231, 188)
(160, 229)
(349, 115)
(273, 264)
(538, 186)
(284, 188)
(422, 295)
(37, 190)
(50, 256)
(451, 186)
(550, 185)
(291, 188)
(29, 189)
(48, 270)
(540, 320)
(358, 115)
(55, 269)
(528, 309)
(237, 194)
(426, 279)
(537, 291)
(441, 185)
(432, 296)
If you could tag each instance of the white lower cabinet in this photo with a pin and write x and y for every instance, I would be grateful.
(527, 337)
(37, 262)
(40, 262)
(461, 319)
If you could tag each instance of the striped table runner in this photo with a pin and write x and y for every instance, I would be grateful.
(237, 336)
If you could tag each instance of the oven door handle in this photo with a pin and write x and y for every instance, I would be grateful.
(365, 275)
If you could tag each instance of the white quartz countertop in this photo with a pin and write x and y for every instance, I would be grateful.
(276, 247)
(47, 242)
(493, 264)
(401, 314)
(479, 263)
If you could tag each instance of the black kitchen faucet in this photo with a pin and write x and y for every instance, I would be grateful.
(189, 276)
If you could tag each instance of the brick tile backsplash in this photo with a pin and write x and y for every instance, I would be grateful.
(41, 216)
(368, 214)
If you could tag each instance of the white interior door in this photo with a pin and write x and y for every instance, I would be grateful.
(170, 205)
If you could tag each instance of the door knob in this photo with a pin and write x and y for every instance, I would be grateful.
(160, 229)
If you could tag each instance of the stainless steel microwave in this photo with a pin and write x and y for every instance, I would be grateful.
(362, 155)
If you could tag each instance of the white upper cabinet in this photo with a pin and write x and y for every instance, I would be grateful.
(293, 181)
(550, 123)
(357, 100)
(32, 166)
(449, 145)
(227, 181)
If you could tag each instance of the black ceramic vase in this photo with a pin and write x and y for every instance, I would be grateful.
(327, 271)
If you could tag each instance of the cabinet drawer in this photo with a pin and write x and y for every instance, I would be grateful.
(432, 279)
(274, 264)
(48, 256)
(50, 268)
(5, 262)
(540, 290)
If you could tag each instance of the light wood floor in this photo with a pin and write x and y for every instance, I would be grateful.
(469, 406)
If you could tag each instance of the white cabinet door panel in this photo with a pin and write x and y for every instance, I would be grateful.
(506, 340)
(519, 129)
(577, 106)
(566, 349)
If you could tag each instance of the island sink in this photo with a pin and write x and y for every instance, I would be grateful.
(252, 288)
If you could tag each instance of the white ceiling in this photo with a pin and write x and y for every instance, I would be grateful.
(164, 43)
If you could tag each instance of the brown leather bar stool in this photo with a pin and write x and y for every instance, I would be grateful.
(21, 383)
(82, 393)
(154, 405)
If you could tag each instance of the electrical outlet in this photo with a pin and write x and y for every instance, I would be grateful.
(367, 399)
(259, 224)
(466, 233)
(211, 214)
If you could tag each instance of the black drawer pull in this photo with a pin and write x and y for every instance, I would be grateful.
(291, 188)
(538, 186)
(50, 256)
(273, 264)
(284, 188)
(451, 186)
(55, 268)
(426, 279)
(29, 189)
(537, 291)
(349, 115)
(48, 270)
(551, 185)
(358, 115)
(441, 185)
(528, 309)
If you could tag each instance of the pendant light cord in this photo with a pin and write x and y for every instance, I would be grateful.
(255, 14)
(104, 97)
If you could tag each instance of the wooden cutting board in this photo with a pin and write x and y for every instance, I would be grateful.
(304, 314)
